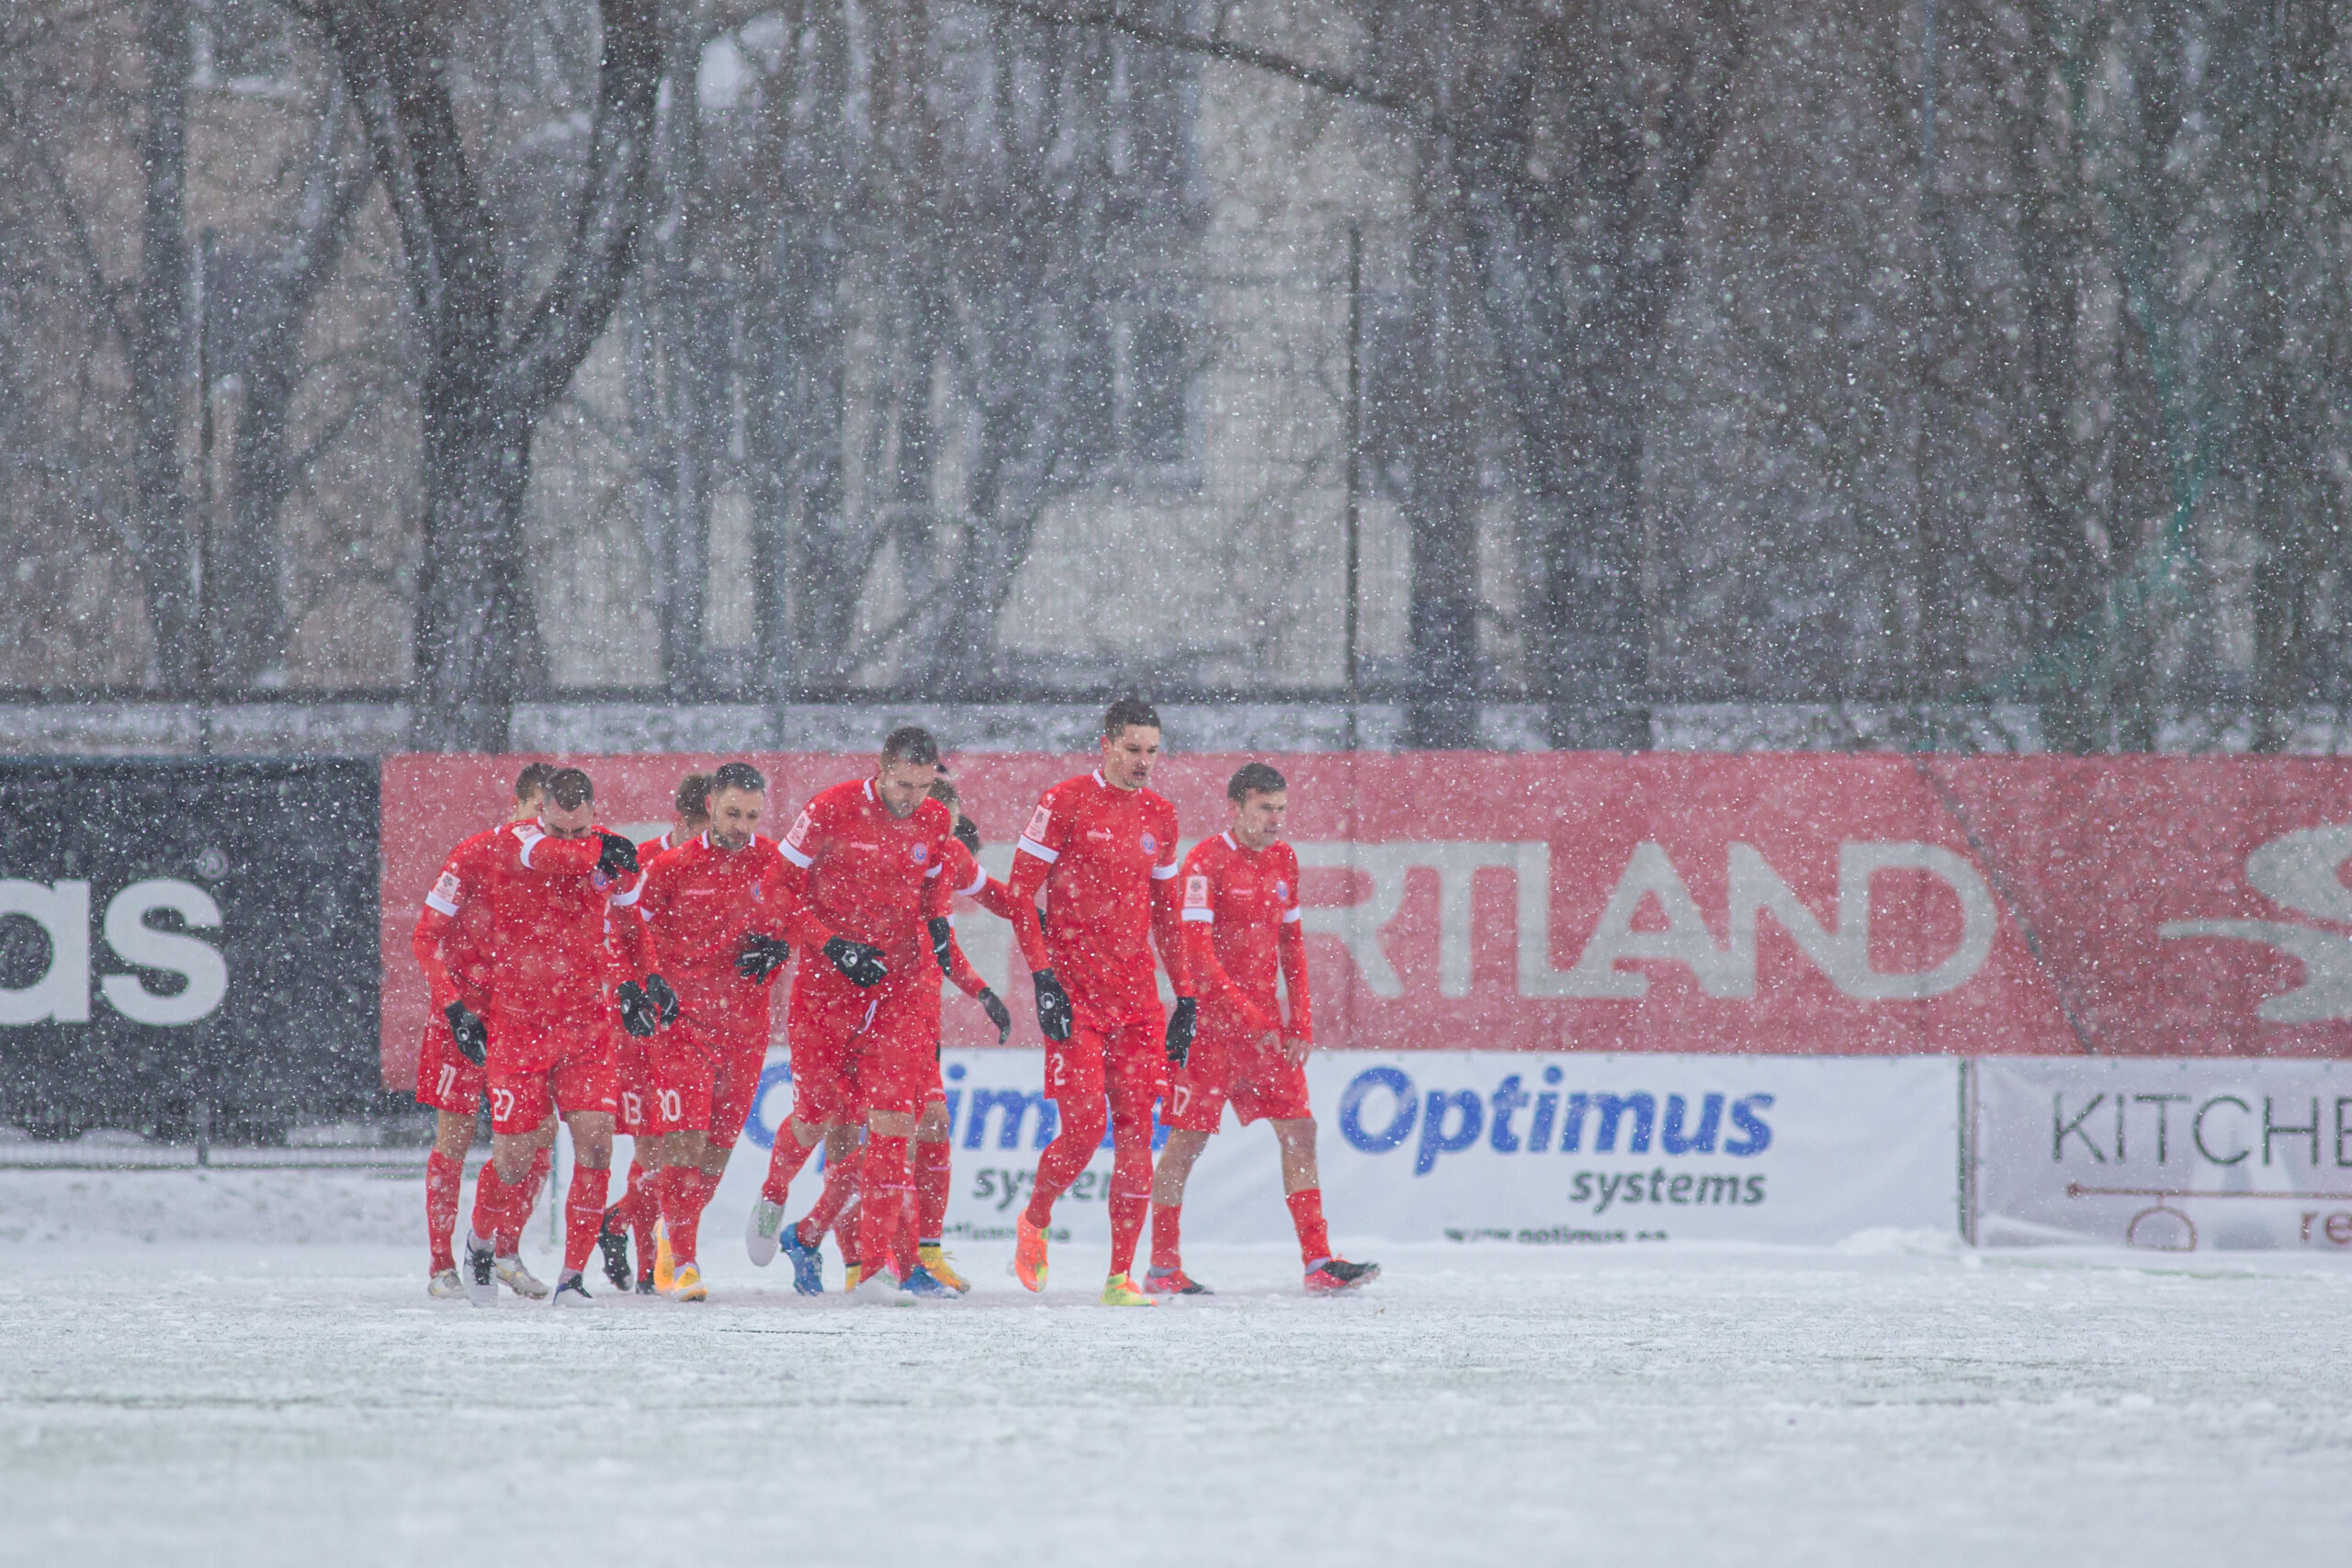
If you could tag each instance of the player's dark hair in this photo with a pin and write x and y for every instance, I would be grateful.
(568, 788)
(1253, 778)
(943, 791)
(533, 779)
(1127, 711)
(968, 835)
(910, 743)
(738, 775)
(692, 798)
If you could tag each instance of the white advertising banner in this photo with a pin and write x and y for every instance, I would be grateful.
(1510, 1146)
(2177, 1155)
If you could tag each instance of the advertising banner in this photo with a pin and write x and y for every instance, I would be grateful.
(1498, 1146)
(2173, 1155)
(1752, 904)
(187, 941)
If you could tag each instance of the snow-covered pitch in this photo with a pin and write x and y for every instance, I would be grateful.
(174, 1389)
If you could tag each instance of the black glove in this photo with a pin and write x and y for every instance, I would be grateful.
(664, 999)
(471, 1034)
(942, 936)
(619, 856)
(999, 1014)
(762, 956)
(1053, 1005)
(1180, 1032)
(640, 1015)
(860, 963)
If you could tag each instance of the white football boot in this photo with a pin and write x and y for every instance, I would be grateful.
(759, 1233)
(519, 1279)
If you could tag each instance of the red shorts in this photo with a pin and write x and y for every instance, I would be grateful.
(579, 1083)
(444, 1080)
(1125, 1059)
(856, 1052)
(1261, 1081)
(632, 1085)
(702, 1083)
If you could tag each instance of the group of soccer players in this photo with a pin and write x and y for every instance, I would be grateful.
(626, 987)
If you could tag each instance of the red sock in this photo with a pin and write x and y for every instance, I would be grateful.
(520, 1201)
(583, 1212)
(644, 1211)
(1072, 1151)
(841, 1186)
(490, 1203)
(681, 1216)
(705, 1189)
(844, 1228)
(1167, 1221)
(625, 1206)
(903, 1240)
(444, 1176)
(882, 1194)
(1306, 1217)
(785, 1161)
(1130, 1187)
(1127, 1209)
(934, 1177)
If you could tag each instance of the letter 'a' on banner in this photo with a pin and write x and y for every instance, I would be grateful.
(1768, 904)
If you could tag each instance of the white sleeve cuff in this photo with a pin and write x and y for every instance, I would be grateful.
(435, 902)
(1162, 872)
(1031, 846)
(979, 881)
(1290, 917)
(1201, 916)
(796, 857)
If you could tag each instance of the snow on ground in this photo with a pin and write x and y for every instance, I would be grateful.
(213, 1396)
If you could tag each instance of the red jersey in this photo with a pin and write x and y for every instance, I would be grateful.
(550, 958)
(1106, 860)
(853, 870)
(696, 904)
(1241, 927)
(451, 940)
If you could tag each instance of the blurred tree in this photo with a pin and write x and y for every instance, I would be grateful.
(493, 365)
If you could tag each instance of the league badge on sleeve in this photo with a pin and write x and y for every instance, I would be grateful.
(1039, 821)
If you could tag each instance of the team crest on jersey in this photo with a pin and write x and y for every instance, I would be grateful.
(1196, 893)
(799, 837)
(1038, 820)
(1150, 845)
(921, 853)
(447, 888)
(759, 893)
(1282, 890)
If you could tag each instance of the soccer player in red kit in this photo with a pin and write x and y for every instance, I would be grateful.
(865, 860)
(1242, 924)
(552, 884)
(1102, 849)
(639, 1210)
(449, 946)
(713, 911)
(933, 1165)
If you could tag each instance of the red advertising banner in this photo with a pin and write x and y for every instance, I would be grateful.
(1772, 904)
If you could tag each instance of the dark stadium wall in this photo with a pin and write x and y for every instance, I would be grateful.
(183, 946)
(1763, 903)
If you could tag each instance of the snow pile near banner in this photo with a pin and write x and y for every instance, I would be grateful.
(301, 1207)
